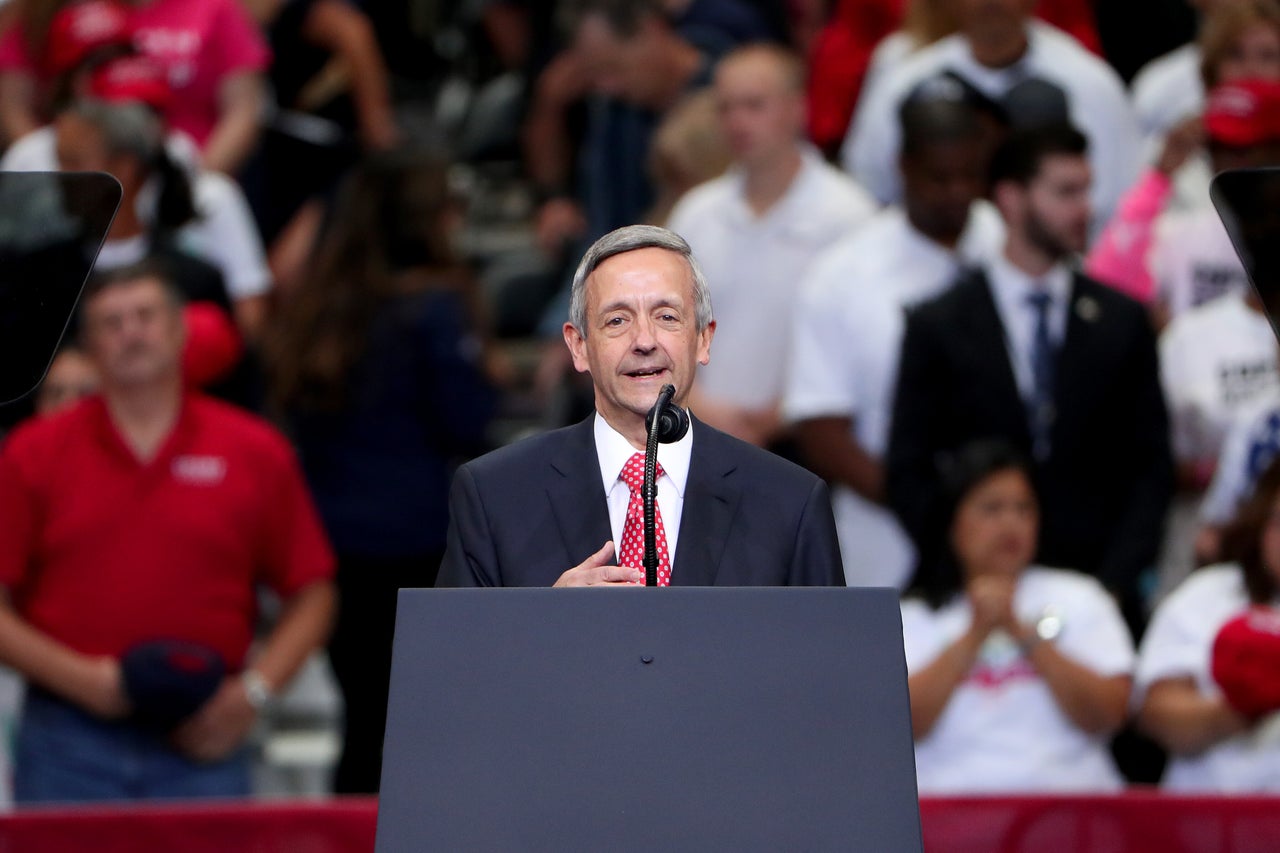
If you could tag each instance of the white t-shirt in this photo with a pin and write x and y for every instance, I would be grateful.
(844, 362)
(1253, 440)
(1096, 98)
(1179, 644)
(224, 233)
(1167, 90)
(753, 264)
(1216, 362)
(1192, 260)
(1002, 730)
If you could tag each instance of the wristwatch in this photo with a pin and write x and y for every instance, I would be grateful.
(256, 689)
(1045, 629)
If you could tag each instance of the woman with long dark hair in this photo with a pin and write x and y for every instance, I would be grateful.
(1018, 673)
(376, 364)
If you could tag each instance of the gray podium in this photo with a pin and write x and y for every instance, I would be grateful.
(639, 719)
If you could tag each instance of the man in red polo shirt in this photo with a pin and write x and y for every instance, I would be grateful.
(148, 514)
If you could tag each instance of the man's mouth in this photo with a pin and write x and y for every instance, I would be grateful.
(646, 372)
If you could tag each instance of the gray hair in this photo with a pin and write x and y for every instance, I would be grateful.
(126, 128)
(629, 239)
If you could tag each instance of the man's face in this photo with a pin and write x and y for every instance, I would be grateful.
(993, 18)
(940, 182)
(1056, 213)
(641, 333)
(134, 333)
(761, 114)
(622, 68)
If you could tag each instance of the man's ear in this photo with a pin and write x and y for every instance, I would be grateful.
(704, 343)
(1009, 197)
(577, 345)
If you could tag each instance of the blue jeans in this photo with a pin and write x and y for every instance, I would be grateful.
(66, 755)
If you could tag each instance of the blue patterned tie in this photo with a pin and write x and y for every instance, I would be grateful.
(1040, 409)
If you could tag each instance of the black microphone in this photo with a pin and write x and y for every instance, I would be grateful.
(665, 424)
(673, 421)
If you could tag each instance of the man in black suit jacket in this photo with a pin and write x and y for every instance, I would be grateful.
(1069, 376)
(547, 511)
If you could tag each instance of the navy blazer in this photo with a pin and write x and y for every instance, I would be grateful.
(525, 514)
(1108, 480)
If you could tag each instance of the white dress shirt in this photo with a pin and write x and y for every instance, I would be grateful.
(613, 451)
(1011, 288)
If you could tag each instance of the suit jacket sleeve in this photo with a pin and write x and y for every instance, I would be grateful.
(469, 557)
(911, 480)
(1135, 545)
(816, 561)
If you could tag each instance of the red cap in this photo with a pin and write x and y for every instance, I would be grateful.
(131, 78)
(84, 28)
(213, 344)
(1243, 112)
(1246, 661)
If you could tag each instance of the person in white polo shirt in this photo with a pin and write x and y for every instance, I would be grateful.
(998, 47)
(850, 319)
(756, 231)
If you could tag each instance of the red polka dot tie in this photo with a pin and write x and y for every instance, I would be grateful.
(631, 553)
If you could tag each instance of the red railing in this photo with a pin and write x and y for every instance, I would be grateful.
(1129, 823)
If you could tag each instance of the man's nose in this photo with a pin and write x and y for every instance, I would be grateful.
(644, 339)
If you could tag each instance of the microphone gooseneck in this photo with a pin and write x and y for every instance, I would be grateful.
(666, 424)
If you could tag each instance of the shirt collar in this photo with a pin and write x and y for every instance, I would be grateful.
(613, 451)
(1012, 285)
(110, 436)
(740, 213)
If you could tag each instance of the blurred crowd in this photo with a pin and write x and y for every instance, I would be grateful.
(964, 266)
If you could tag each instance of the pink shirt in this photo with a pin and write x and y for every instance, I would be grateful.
(198, 42)
(1119, 257)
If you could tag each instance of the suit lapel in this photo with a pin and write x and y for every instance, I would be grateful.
(988, 337)
(1075, 372)
(711, 498)
(576, 494)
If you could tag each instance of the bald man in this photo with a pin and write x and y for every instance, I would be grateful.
(756, 230)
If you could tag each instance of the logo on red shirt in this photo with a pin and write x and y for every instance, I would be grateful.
(199, 470)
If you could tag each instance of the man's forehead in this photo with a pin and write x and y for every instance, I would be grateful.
(143, 289)
(1063, 167)
(755, 72)
(648, 264)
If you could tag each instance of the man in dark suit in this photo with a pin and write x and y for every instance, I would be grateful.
(1029, 351)
(548, 510)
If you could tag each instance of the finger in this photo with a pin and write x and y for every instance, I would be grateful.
(619, 574)
(603, 557)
